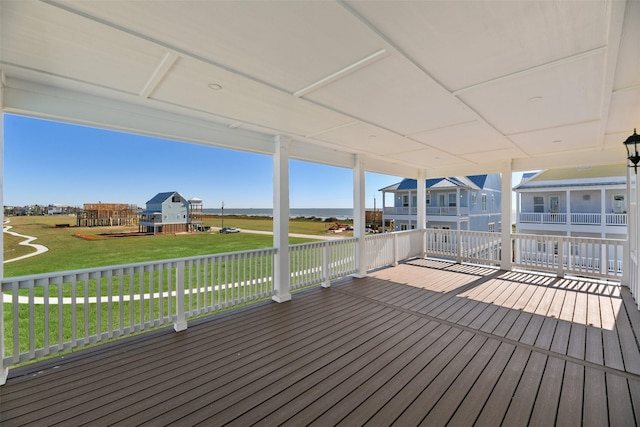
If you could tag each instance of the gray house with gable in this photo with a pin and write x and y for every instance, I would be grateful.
(166, 213)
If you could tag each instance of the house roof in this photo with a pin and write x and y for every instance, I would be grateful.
(572, 177)
(406, 86)
(161, 197)
(470, 182)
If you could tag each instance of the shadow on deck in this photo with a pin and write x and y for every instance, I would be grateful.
(424, 342)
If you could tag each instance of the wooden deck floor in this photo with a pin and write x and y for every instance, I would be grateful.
(424, 343)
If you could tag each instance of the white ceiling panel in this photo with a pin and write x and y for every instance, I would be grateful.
(427, 158)
(369, 139)
(240, 99)
(287, 44)
(583, 136)
(460, 138)
(625, 110)
(469, 42)
(52, 42)
(561, 94)
(394, 94)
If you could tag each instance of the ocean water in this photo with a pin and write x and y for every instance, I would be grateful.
(338, 213)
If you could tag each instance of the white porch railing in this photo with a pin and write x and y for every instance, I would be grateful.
(49, 313)
(570, 255)
(430, 210)
(55, 312)
(321, 262)
(585, 218)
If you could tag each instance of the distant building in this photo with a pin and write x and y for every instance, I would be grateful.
(580, 202)
(57, 209)
(107, 215)
(166, 213)
(456, 203)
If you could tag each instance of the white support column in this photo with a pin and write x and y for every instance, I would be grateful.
(629, 270)
(603, 213)
(3, 370)
(505, 262)
(282, 267)
(421, 213)
(568, 209)
(359, 217)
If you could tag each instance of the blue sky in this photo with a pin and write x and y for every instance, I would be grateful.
(49, 162)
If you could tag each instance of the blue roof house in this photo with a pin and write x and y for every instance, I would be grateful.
(166, 213)
(456, 203)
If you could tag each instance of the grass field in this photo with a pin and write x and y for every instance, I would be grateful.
(68, 252)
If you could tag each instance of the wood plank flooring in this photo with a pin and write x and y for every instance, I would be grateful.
(424, 343)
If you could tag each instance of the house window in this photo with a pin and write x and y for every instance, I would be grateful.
(428, 198)
(441, 200)
(618, 203)
(473, 198)
(452, 200)
(484, 203)
(554, 204)
(405, 201)
(492, 227)
(175, 198)
(538, 204)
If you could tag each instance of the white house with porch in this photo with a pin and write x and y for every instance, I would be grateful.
(583, 201)
(413, 89)
(453, 203)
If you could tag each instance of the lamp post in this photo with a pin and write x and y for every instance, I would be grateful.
(632, 152)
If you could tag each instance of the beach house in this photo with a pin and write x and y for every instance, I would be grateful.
(166, 213)
(579, 201)
(456, 203)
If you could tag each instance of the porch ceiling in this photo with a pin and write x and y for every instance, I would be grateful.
(434, 86)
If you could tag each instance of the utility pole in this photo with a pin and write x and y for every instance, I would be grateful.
(375, 216)
(222, 209)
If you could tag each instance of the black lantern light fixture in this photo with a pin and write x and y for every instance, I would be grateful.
(632, 150)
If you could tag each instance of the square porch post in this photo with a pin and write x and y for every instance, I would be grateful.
(359, 217)
(3, 370)
(505, 257)
(281, 268)
(421, 212)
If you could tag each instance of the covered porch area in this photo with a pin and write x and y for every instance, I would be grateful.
(427, 342)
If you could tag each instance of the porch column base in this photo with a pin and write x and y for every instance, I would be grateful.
(359, 275)
(281, 298)
(3, 375)
(179, 326)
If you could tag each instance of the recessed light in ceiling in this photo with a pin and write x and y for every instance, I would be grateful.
(214, 86)
(557, 141)
(535, 99)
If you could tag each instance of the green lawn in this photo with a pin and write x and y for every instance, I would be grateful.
(68, 252)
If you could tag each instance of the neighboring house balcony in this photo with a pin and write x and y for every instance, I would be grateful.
(444, 211)
(612, 223)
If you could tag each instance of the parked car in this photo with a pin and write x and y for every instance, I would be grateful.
(228, 230)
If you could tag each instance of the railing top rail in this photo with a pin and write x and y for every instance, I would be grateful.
(566, 238)
(94, 270)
